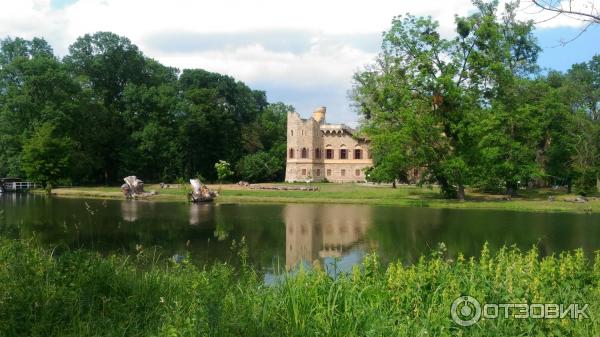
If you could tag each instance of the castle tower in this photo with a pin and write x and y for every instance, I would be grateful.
(319, 114)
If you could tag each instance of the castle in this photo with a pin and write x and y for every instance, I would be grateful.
(319, 151)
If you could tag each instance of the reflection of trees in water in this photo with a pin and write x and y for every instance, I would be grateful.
(406, 234)
(321, 231)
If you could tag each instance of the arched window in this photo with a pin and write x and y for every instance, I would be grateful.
(291, 153)
(304, 153)
(328, 152)
(292, 132)
(357, 153)
(343, 152)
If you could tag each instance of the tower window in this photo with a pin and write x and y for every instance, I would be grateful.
(304, 153)
(318, 173)
(291, 153)
(318, 153)
(343, 154)
(292, 132)
(329, 154)
(357, 154)
(343, 173)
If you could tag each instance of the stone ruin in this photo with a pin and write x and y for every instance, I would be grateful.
(200, 193)
(134, 188)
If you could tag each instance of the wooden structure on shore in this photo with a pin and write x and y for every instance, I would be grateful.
(15, 185)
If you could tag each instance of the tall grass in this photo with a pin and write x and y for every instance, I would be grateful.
(79, 293)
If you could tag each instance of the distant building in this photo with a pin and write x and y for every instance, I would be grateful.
(320, 151)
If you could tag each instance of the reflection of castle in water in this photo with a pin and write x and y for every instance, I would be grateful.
(316, 231)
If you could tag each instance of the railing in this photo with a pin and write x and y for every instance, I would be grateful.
(20, 185)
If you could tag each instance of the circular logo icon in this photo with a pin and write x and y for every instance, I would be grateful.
(465, 311)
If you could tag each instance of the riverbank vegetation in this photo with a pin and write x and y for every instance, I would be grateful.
(404, 195)
(49, 292)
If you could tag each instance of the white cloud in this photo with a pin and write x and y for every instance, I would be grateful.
(331, 49)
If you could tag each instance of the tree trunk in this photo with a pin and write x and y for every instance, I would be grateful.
(48, 188)
(461, 193)
(394, 184)
(511, 191)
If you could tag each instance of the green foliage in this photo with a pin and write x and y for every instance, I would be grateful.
(472, 110)
(261, 166)
(223, 170)
(46, 156)
(128, 114)
(76, 293)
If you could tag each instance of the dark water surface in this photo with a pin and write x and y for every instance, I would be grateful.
(286, 234)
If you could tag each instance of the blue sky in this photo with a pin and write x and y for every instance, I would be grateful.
(301, 53)
(559, 57)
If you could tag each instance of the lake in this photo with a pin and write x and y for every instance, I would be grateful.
(279, 235)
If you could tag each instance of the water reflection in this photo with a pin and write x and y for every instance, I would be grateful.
(200, 213)
(294, 233)
(323, 231)
(129, 210)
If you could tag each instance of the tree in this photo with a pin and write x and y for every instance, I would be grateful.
(224, 171)
(46, 156)
(425, 94)
(261, 166)
(35, 88)
(583, 10)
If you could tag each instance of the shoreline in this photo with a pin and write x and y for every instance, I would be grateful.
(403, 196)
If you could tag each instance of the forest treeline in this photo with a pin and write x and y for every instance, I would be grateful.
(476, 110)
(106, 111)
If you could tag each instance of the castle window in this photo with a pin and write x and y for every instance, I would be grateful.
(328, 172)
(329, 153)
(343, 154)
(304, 153)
(357, 172)
(357, 154)
(318, 153)
(303, 172)
(343, 173)
(291, 153)
(292, 131)
(318, 173)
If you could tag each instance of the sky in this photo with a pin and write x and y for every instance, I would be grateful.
(302, 53)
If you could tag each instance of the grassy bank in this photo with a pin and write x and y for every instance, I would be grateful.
(528, 200)
(78, 293)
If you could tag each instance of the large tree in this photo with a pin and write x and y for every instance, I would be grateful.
(47, 156)
(425, 94)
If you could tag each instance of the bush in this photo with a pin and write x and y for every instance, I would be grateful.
(261, 166)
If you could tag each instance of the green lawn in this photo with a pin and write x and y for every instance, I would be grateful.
(528, 200)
